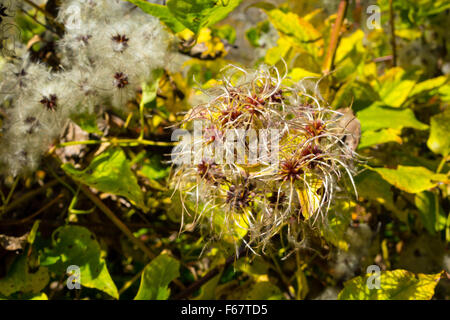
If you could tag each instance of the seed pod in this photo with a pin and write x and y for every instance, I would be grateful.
(277, 156)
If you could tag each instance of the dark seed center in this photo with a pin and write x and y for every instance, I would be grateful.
(121, 80)
(50, 102)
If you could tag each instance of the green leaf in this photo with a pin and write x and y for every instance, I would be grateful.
(197, 14)
(191, 14)
(395, 85)
(208, 290)
(350, 66)
(358, 94)
(371, 138)
(302, 284)
(149, 90)
(33, 232)
(428, 85)
(334, 230)
(225, 32)
(161, 12)
(394, 285)
(348, 44)
(431, 213)
(444, 92)
(156, 278)
(257, 267)
(254, 34)
(377, 117)
(414, 13)
(370, 185)
(152, 168)
(28, 26)
(75, 245)
(110, 172)
(21, 279)
(408, 34)
(39, 296)
(264, 290)
(337, 224)
(87, 122)
(26, 296)
(411, 179)
(439, 140)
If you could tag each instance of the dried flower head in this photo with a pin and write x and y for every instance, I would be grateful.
(265, 152)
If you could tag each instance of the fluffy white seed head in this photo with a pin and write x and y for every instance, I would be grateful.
(109, 49)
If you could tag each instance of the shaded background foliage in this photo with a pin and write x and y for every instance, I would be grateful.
(108, 207)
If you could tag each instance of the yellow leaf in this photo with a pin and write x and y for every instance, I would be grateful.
(278, 52)
(299, 31)
(347, 44)
(298, 74)
(394, 285)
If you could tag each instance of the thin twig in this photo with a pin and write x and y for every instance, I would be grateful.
(382, 59)
(29, 196)
(393, 41)
(211, 274)
(130, 282)
(282, 277)
(114, 141)
(11, 192)
(40, 23)
(119, 224)
(441, 164)
(334, 39)
(46, 14)
(34, 215)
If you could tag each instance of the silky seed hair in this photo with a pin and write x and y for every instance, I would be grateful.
(109, 49)
(261, 197)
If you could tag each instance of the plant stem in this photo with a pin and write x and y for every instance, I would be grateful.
(211, 274)
(144, 142)
(34, 215)
(2, 195)
(29, 195)
(11, 191)
(119, 224)
(130, 282)
(76, 143)
(114, 141)
(334, 39)
(38, 22)
(393, 42)
(45, 13)
(382, 59)
(108, 212)
(142, 120)
(282, 277)
(441, 164)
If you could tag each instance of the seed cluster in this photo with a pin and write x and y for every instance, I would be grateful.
(295, 180)
(109, 49)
